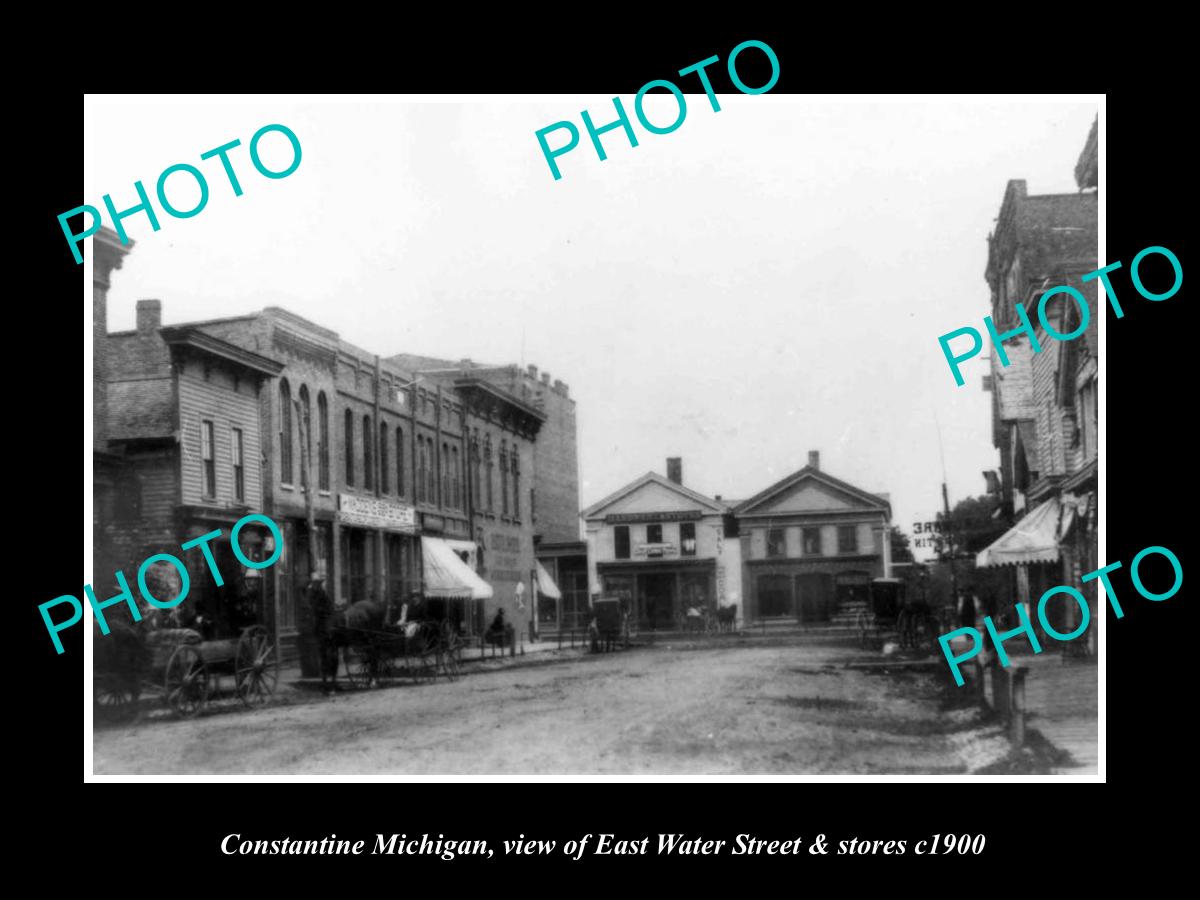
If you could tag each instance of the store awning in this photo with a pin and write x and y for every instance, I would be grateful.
(546, 586)
(446, 575)
(1032, 540)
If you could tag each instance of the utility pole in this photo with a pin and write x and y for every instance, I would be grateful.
(304, 417)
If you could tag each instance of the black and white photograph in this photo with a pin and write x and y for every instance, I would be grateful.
(528, 436)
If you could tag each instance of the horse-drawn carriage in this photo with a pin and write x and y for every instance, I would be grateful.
(376, 651)
(890, 611)
(136, 659)
(610, 624)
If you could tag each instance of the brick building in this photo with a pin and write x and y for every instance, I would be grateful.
(560, 586)
(1044, 404)
(811, 544)
(387, 455)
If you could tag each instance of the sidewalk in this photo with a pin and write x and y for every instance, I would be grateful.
(1061, 701)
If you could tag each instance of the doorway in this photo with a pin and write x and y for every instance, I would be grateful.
(656, 600)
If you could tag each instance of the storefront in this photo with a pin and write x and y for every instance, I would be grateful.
(658, 594)
(378, 550)
(452, 589)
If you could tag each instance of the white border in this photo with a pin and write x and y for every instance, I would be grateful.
(88, 776)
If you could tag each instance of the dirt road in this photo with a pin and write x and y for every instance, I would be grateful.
(661, 710)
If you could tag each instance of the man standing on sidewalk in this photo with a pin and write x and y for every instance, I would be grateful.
(321, 607)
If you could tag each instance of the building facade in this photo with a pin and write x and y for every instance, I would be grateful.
(558, 590)
(182, 414)
(663, 548)
(811, 544)
(1045, 404)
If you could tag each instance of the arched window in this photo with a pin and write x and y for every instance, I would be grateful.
(421, 463)
(455, 479)
(349, 448)
(399, 462)
(516, 474)
(476, 463)
(431, 470)
(487, 466)
(285, 432)
(305, 426)
(444, 472)
(322, 442)
(383, 457)
(368, 456)
(503, 477)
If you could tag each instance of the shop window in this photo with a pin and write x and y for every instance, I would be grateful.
(812, 541)
(687, 538)
(847, 539)
(621, 541)
(654, 534)
(776, 544)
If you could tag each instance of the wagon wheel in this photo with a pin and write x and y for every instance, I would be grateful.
(256, 666)
(186, 680)
(113, 699)
(422, 658)
(451, 655)
(864, 628)
(360, 669)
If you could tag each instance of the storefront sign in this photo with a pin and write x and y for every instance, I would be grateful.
(683, 515)
(371, 512)
(653, 551)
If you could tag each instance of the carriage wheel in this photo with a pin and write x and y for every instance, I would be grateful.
(113, 699)
(186, 680)
(451, 653)
(359, 668)
(256, 666)
(422, 659)
(864, 628)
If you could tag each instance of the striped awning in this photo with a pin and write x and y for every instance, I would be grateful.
(446, 575)
(545, 584)
(1032, 540)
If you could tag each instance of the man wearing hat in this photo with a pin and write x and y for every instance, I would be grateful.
(321, 606)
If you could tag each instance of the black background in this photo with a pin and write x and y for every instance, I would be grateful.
(1150, 405)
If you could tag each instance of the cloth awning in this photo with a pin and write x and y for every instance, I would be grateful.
(446, 575)
(545, 584)
(1032, 540)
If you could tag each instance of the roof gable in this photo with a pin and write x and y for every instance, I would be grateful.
(652, 493)
(811, 491)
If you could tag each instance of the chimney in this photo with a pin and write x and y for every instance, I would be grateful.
(814, 459)
(533, 371)
(675, 469)
(149, 316)
(546, 378)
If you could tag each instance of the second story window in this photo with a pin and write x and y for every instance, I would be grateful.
(399, 462)
(237, 449)
(368, 458)
(348, 449)
(383, 458)
(776, 543)
(208, 460)
(285, 432)
(516, 474)
(487, 463)
(621, 541)
(504, 477)
(847, 539)
(654, 534)
(687, 538)
(322, 442)
(812, 541)
(305, 426)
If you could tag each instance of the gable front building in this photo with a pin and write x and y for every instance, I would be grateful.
(811, 544)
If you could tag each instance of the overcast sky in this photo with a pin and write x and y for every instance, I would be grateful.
(764, 281)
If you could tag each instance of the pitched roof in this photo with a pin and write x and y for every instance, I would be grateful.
(654, 478)
(809, 472)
